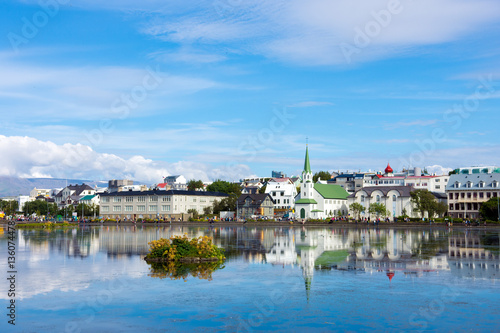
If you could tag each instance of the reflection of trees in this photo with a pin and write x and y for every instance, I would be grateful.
(431, 246)
(178, 270)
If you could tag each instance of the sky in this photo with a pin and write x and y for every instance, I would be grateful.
(230, 88)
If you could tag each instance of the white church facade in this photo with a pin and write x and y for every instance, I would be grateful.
(319, 200)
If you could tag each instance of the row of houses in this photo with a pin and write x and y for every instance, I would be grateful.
(299, 197)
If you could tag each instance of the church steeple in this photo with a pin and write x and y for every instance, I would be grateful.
(307, 166)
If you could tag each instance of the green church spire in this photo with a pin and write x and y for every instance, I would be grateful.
(307, 166)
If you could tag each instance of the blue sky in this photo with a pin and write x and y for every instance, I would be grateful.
(227, 89)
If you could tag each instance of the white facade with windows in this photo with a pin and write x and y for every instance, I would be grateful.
(283, 192)
(155, 204)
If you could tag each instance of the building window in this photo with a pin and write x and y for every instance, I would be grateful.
(105, 208)
(469, 195)
(394, 198)
(438, 187)
(378, 198)
(481, 195)
(117, 199)
(141, 199)
(152, 208)
(153, 198)
(451, 206)
(141, 208)
(456, 196)
(165, 208)
(488, 195)
(117, 208)
(105, 199)
(450, 196)
(362, 198)
(166, 199)
(129, 199)
(129, 208)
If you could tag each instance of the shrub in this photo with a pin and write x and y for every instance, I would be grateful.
(178, 247)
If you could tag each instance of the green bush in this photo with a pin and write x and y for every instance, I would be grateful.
(178, 247)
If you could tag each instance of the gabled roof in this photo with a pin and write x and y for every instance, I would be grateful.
(88, 197)
(257, 199)
(330, 191)
(474, 179)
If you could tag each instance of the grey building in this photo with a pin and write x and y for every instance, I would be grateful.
(466, 193)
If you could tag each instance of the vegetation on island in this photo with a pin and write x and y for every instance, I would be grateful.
(179, 248)
(179, 257)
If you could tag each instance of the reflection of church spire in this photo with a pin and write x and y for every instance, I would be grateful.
(308, 281)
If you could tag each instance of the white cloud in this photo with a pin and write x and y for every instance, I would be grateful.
(421, 123)
(309, 104)
(311, 32)
(92, 92)
(29, 157)
(438, 170)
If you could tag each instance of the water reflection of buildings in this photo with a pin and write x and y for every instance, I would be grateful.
(410, 252)
(468, 256)
(370, 250)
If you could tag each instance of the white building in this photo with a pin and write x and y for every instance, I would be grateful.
(176, 182)
(283, 192)
(396, 199)
(320, 200)
(72, 193)
(155, 204)
(38, 191)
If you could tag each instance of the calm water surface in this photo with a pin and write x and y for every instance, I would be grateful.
(296, 279)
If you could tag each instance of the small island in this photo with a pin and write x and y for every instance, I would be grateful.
(184, 250)
(179, 257)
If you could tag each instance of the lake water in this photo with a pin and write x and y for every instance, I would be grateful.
(94, 279)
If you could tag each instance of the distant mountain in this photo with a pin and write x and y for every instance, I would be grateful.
(10, 186)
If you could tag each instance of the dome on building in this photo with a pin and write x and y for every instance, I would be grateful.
(388, 169)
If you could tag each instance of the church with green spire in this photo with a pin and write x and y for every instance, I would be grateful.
(319, 200)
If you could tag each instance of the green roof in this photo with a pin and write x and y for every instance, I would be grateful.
(87, 198)
(316, 210)
(330, 191)
(306, 201)
(307, 165)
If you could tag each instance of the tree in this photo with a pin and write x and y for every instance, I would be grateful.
(226, 204)
(424, 201)
(489, 209)
(39, 208)
(193, 185)
(441, 209)
(194, 213)
(224, 187)
(9, 207)
(207, 210)
(323, 175)
(262, 190)
(378, 209)
(356, 209)
(87, 210)
(298, 189)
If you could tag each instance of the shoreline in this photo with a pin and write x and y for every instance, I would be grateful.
(383, 225)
